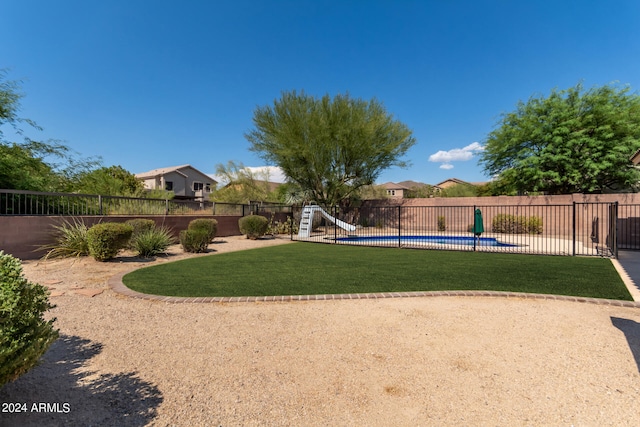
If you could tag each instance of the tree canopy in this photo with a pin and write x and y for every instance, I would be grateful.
(329, 147)
(573, 141)
(110, 181)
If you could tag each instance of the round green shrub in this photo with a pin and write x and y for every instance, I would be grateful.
(207, 224)
(24, 334)
(195, 241)
(254, 226)
(106, 239)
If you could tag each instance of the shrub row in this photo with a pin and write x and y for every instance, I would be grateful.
(512, 224)
(103, 241)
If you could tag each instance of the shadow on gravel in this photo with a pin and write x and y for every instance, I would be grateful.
(631, 330)
(77, 396)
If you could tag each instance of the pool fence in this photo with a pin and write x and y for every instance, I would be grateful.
(576, 228)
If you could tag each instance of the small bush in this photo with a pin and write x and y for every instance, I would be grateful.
(139, 226)
(106, 239)
(195, 241)
(442, 223)
(208, 225)
(254, 226)
(24, 334)
(149, 243)
(70, 240)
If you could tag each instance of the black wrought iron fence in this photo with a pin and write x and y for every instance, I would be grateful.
(17, 202)
(587, 229)
(628, 227)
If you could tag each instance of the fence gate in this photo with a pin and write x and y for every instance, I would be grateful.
(628, 227)
(595, 229)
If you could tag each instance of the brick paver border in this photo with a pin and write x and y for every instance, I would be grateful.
(116, 284)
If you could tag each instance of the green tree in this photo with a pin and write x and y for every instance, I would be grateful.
(329, 147)
(573, 141)
(460, 190)
(109, 181)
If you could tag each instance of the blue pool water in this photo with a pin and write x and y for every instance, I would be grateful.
(413, 240)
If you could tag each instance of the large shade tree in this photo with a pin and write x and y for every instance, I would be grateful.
(573, 141)
(329, 147)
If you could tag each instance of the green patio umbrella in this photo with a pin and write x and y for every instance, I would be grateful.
(478, 226)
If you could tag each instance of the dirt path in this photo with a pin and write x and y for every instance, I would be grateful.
(409, 361)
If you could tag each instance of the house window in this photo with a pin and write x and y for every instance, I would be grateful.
(168, 185)
(197, 186)
(207, 187)
(391, 192)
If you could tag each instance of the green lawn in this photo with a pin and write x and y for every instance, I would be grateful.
(309, 269)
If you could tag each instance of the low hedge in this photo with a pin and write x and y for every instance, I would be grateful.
(512, 224)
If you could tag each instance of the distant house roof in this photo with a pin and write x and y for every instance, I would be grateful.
(635, 158)
(163, 171)
(394, 186)
(451, 182)
(413, 184)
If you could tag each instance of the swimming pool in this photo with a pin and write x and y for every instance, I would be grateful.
(418, 240)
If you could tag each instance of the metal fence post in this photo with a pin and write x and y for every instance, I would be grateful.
(335, 225)
(99, 205)
(474, 228)
(614, 230)
(574, 228)
(399, 227)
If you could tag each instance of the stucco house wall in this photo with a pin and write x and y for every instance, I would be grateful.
(181, 179)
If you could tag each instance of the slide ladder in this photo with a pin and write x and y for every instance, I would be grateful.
(306, 222)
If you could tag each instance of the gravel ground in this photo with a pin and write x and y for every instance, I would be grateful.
(405, 362)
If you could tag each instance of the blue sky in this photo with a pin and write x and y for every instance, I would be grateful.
(149, 84)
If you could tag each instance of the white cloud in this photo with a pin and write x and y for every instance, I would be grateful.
(456, 155)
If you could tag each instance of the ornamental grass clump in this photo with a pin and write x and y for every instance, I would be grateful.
(194, 241)
(149, 243)
(253, 226)
(24, 334)
(70, 240)
(107, 239)
(139, 225)
(206, 224)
